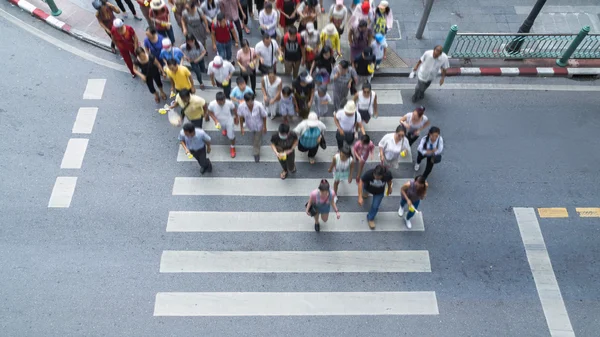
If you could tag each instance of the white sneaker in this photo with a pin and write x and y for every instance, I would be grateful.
(408, 224)
(401, 211)
(272, 115)
(335, 199)
(417, 166)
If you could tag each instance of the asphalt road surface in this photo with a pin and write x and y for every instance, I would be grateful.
(127, 257)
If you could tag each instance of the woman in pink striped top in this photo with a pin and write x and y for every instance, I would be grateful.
(362, 150)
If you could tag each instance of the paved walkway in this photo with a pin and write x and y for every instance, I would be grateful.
(491, 16)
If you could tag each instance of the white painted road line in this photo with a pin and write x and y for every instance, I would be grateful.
(181, 221)
(62, 193)
(553, 305)
(220, 153)
(94, 89)
(84, 122)
(296, 304)
(257, 187)
(73, 157)
(402, 261)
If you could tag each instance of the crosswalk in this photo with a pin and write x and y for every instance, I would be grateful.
(244, 260)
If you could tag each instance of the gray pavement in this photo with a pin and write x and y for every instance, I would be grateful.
(93, 269)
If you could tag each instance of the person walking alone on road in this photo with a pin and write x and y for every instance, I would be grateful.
(374, 181)
(194, 53)
(320, 203)
(126, 41)
(197, 143)
(412, 193)
(284, 143)
(393, 146)
(347, 121)
(430, 148)
(341, 166)
(161, 17)
(428, 66)
(220, 72)
(310, 133)
(255, 116)
(105, 13)
(414, 122)
(362, 150)
(150, 72)
(224, 114)
(192, 106)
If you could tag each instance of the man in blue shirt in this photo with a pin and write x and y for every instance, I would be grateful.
(237, 94)
(196, 142)
(169, 52)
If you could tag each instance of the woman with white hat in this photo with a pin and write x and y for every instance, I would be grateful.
(347, 121)
(126, 41)
(383, 19)
(161, 17)
(331, 38)
(310, 133)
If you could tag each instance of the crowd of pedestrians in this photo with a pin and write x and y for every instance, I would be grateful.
(312, 56)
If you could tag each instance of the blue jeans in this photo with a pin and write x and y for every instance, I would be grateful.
(198, 69)
(415, 205)
(169, 34)
(224, 50)
(377, 198)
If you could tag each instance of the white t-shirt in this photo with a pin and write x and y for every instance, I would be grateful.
(221, 73)
(223, 113)
(378, 49)
(413, 127)
(430, 66)
(268, 53)
(347, 122)
(336, 14)
(391, 150)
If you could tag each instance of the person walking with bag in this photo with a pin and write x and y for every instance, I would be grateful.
(414, 122)
(284, 143)
(194, 22)
(366, 103)
(393, 146)
(247, 60)
(320, 203)
(310, 133)
(347, 121)
(192, 106)
(412, 193)
(374, 181)
(430, 148)
(197, 143)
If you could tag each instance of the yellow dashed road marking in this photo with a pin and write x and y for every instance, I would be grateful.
(588, 212)
(553, 212)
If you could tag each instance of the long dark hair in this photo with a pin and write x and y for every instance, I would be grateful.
(421, 187)
(432, 130)
(189, 37)
(324, 185)
(209, 6)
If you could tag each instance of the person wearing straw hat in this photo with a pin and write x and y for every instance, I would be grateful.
(310, 133)
(347, 121)
(220, 72)
(331, 38)
(126, 41)
(160, 15)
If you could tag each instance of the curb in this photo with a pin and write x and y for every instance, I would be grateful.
(40, 14)
(524, 71)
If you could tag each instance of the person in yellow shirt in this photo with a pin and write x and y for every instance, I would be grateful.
(330, 37)
(181, 77)
(192, 106)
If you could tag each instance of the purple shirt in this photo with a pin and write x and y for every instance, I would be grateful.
(254, 118)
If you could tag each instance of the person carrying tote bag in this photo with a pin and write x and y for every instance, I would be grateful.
(430, 148)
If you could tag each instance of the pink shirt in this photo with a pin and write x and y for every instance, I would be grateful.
(314, 194)
(244, 58)
(363, 151)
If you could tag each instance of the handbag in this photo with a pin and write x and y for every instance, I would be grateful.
(437, 158)
(312, 210)
(265, 69)
(323, 143)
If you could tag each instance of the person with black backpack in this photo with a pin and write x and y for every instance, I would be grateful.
(320, 202)
(293, 51)
(431, 147)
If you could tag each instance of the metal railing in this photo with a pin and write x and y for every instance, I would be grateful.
(523, 46)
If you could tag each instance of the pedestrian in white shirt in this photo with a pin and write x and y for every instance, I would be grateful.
(224, 115)
(220, 72)
(393, 146)
(268, 53)
(428, 66)
(431, 147)
(268, 20)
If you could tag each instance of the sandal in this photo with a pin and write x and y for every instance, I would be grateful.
(247, 30)
(283, 175)
(156, 99)
(163, 96)
(311, 161)
(293, 171)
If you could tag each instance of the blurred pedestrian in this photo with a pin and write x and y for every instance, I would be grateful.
(330, 37)
(145, 9)
(359, 38)
(220, 72)
(321, 101)
(366, 103)
(362, 150)
(341, 166)
(247, 59)
(307, 11)
(374, 182)
(238, 93)
(284, 143)
(412, 193)
(177, 7)
(392, 147)
(153, 43)
(231, 10)
(160, 15)
(287, 12)
(105, 13)
(338, 15)
(428, 66)
(344, 80)
(255, 116)
(210, 8)
(221, 32)
(150, 72)
(194, 53)
(304, 91)
(320, 203)
(310, 135)
(131, 8)
(414, 122)
(194, 22)
(126, 41)
(197, 143)
(224, 115)
(288, 106)
(430, 148)
(383, 19)
(192, 106)
(322, 66)
(271, 89)
(311, 40)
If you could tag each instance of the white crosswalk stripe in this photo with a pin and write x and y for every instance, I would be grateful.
(252, 221)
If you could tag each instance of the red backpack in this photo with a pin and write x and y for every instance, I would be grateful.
(298, 38)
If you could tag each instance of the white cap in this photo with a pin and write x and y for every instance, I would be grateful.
(118, 23)
(313, 120)
(217, 62)
(166, 43)
(310, 27)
